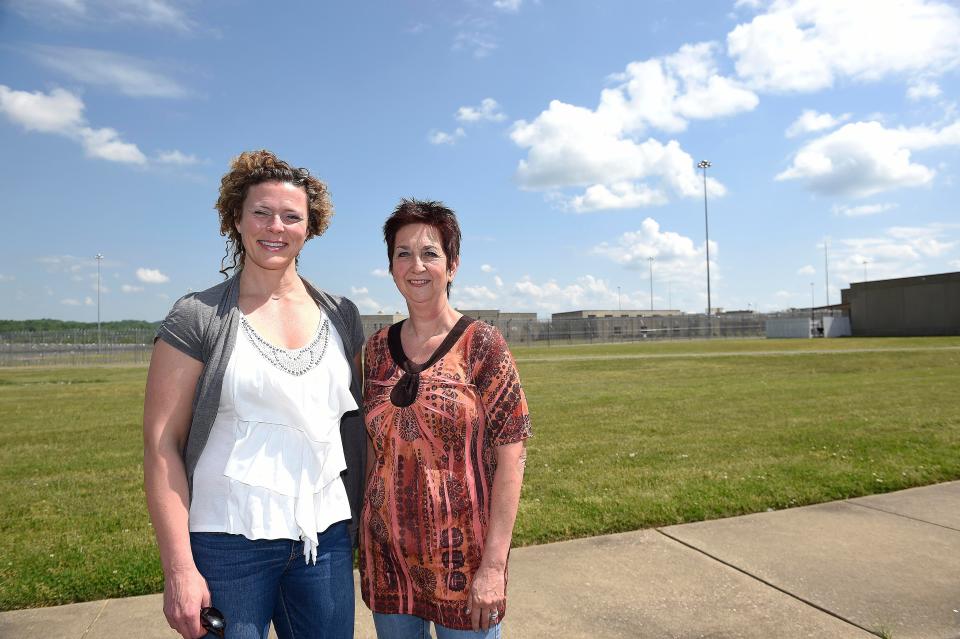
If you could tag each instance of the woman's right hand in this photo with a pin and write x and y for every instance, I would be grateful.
(185, 592)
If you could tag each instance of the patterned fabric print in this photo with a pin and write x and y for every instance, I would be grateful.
(427, 504)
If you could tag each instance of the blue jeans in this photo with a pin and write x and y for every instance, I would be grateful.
(254, 581)
(412, 627)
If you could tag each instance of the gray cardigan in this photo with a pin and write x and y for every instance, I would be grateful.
(204, 326)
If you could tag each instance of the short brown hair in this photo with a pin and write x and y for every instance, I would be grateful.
(432, 213)
(254, 167)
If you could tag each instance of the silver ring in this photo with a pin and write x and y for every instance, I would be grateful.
(494, 614)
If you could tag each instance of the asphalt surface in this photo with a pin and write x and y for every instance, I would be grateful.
(880, 566)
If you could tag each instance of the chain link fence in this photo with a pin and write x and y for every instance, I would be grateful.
(628, 329)
(79, 347)
(85, 347)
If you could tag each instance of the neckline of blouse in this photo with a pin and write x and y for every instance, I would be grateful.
(400, 358)
(317, 334)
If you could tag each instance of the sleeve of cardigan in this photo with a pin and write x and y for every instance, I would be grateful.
(351, 317)
(182, 327)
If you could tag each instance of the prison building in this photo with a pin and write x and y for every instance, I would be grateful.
(373, 323)
(906, 306)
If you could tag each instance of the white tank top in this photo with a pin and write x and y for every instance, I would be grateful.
(271, 467)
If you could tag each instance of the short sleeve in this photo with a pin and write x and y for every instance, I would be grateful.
(498, 382)
(182, 329)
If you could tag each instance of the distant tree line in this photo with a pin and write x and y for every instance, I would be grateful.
(38, 325)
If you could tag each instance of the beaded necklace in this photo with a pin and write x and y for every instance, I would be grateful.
(293, 361)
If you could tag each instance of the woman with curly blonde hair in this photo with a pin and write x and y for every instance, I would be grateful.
(253, 444)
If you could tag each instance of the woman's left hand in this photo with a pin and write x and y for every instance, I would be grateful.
(486, 597)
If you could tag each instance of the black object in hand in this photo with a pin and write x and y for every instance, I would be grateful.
(212, 620)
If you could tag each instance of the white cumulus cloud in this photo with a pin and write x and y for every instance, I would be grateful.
(106, 144)
(620, 195)
(806, 270)
(923, 89)
(665, 93)
(474, 297)
(899, 251)
(486, 268)
(675, 255)
(361, 297)
(151, 276)
(811, 121)
(806, 45)
(606, 149)
(441, 137)
(380, 272)
(57, 112)
(585, 292)
(61, 112)
(864, 158)
(679, 266)
(129, 288)
(487, 110)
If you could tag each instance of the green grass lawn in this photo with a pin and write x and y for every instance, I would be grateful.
(626, 436)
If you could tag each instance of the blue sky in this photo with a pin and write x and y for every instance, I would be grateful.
(565, 135)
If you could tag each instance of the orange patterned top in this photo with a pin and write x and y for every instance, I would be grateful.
(427, 502)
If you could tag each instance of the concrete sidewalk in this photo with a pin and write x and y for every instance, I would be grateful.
(886, 566)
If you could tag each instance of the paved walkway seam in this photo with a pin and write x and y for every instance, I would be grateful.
(87, 630)
(890, 512)
(769, 584)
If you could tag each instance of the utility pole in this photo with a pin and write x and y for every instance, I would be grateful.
(704, 164)
(99, 258)
(651, 284)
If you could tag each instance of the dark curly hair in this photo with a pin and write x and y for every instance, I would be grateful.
(432, 213)
(254, 167)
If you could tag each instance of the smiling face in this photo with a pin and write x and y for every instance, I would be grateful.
(420, 268)
(273, 224)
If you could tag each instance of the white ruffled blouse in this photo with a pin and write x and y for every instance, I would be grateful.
(271, 467)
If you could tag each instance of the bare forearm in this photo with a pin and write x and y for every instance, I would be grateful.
(165, 482)
(505, 499)
(167, 410)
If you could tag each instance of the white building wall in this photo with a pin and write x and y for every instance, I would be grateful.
(789, 327)
(805, 327)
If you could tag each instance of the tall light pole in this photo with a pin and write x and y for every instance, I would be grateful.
(865, 271)
(812, 302)
(650, 259)
(706, 225)
(99, 258)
